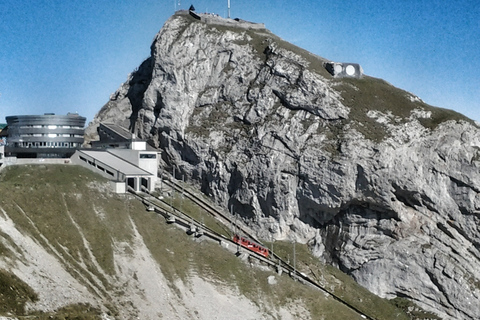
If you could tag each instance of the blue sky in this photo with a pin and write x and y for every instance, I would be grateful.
(69, 56)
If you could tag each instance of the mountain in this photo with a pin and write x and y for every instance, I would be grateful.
(72, 249)
(374, 180)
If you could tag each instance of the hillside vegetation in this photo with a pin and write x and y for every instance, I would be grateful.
(70, 214)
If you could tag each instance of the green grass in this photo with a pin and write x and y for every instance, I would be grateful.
(337, 282)
(228, 270)
(14, 294)
(412, 310)
(70, 312)
(57, 202)
(56, 206)
(179, 256)
(368, 93)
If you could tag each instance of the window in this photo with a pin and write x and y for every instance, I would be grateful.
(148, 156)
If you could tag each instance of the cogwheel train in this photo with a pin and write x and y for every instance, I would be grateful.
(251, 245)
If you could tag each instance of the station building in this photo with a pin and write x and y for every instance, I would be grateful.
(44, 136)
(128, 162)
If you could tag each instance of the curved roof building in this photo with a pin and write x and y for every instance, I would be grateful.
(44, 136)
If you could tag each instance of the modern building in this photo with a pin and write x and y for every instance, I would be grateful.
(119, 156)
(44, 136)
(123, 174)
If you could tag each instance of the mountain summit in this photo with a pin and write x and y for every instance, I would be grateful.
(378, 183)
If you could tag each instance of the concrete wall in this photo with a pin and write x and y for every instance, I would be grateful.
(135, 181)
(118, 186)
(139, 145)
(149, 162)
(17, 161)
(90, 163)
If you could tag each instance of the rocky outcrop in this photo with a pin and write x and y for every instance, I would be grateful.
(377, 182)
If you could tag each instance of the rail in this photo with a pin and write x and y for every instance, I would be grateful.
(193, 226)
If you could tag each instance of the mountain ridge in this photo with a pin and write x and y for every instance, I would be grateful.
(377, 182)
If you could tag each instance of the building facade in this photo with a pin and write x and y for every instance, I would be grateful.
(129, 163)
(44, 136)
(344, 70)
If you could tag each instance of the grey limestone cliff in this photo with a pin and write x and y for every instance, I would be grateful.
(379, 184)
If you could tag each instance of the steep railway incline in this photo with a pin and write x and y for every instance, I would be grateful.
(198, 229)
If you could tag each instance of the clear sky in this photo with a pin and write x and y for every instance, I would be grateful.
(68, 55)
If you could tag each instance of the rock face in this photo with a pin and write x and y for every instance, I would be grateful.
(377, 182)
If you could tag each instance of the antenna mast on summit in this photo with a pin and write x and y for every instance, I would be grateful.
(228, 9)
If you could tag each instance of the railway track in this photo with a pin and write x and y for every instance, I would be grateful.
(196, 227)
(216, 212)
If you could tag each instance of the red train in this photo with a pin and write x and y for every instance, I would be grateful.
(250, 245)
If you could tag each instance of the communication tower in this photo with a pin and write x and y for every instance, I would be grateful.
(228, 8)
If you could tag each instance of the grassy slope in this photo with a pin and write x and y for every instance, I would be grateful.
(54, 196)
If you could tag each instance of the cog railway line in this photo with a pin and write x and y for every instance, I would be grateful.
(198, 229)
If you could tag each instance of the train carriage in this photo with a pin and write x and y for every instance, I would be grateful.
(251, 245)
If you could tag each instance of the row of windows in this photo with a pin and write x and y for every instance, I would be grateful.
(50, 126)
(44, 144)
(99, 167)
(107, 134)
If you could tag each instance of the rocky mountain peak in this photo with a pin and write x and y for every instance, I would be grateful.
(380, 184)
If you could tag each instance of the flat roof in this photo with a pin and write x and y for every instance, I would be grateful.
(115, 162)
